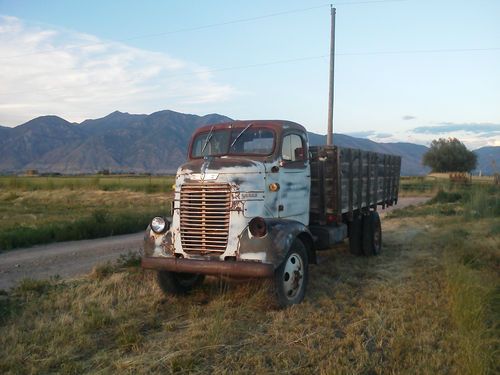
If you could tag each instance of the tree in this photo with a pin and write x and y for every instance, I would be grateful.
(449, 155)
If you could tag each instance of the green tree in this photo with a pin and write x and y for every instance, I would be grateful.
(449, 155)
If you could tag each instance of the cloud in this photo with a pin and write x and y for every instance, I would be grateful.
(408, 117)
(448, 127)
(383, 135)
(78, 76)
(362, 134)
(474, 135)
(372, 135)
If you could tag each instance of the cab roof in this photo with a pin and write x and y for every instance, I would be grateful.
(277, 125)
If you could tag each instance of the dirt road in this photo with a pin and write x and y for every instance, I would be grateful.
(69, 259)
(65, 259)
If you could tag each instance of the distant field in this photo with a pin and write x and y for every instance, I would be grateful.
(477, 179)
(146, 184)
(427, 305)
(431, 184)
(35, 210)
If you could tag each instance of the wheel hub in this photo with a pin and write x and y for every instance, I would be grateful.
(293, 276)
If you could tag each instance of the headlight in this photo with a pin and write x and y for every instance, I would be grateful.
(257, 227)
(159, 224)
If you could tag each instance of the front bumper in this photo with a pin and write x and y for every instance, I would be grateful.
(210, 267)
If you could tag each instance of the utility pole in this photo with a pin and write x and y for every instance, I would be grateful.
(329, 135)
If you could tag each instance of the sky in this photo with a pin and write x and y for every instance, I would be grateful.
(405, 70)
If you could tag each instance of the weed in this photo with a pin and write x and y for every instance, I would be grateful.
(130, 259)
(446, 209)
(10, 196)
(100, 216)
(102, 271)
(5, 308)
(482, 202)
(446, 197)
(31, 286)
(471, 298)
(495, 228)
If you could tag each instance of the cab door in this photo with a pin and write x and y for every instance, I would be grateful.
(295, 178)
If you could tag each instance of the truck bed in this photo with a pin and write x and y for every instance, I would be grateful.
(344, 180)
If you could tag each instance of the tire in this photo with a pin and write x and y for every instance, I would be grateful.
(355, 236)
(372, 234)
(291, 277)
(178, 283)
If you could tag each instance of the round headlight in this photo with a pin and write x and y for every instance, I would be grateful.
(159, 224)
(257, 227)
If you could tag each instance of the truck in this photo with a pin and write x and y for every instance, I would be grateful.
(255, 200)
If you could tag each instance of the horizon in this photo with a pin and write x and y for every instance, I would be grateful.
(219, 114)
(414, 81)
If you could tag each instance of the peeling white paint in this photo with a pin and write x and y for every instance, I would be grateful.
(262, 256)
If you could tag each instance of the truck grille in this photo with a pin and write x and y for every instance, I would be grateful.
(204, 217)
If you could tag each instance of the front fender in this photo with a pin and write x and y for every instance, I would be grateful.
(158, 245)
(273, 247)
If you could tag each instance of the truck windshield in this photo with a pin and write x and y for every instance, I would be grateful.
(242, 141)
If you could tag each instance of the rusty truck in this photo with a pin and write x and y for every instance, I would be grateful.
(254, 200)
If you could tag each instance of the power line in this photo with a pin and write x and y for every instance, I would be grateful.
(285, 61)
(201, 27)
(306, 58)
(188, 29)
(421, 51)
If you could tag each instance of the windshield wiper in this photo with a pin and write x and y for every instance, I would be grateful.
(239, 135)
(209, 136)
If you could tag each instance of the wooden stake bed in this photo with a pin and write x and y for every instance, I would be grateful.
(345, 180)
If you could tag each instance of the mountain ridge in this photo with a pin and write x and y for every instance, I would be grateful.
(154, 143)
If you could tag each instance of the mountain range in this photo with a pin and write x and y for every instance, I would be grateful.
(155, 143)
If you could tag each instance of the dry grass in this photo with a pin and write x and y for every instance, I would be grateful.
(426, 306)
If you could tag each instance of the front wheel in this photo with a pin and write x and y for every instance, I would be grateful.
(291, 277)
(177, 282)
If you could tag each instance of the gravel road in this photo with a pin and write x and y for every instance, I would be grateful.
(74, 258)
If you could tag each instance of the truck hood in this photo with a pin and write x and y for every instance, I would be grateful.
(221, 165)
(243, 175)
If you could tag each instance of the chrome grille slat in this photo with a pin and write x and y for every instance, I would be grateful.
(204, 214)
(211, 219)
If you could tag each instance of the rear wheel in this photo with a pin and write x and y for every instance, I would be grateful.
(177, 282)
(372, 234)
(291, 277)
(355, 234)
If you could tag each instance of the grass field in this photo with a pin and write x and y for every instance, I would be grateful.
(35, 210)
(146, 184)
(430, 304)
(429, 185)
